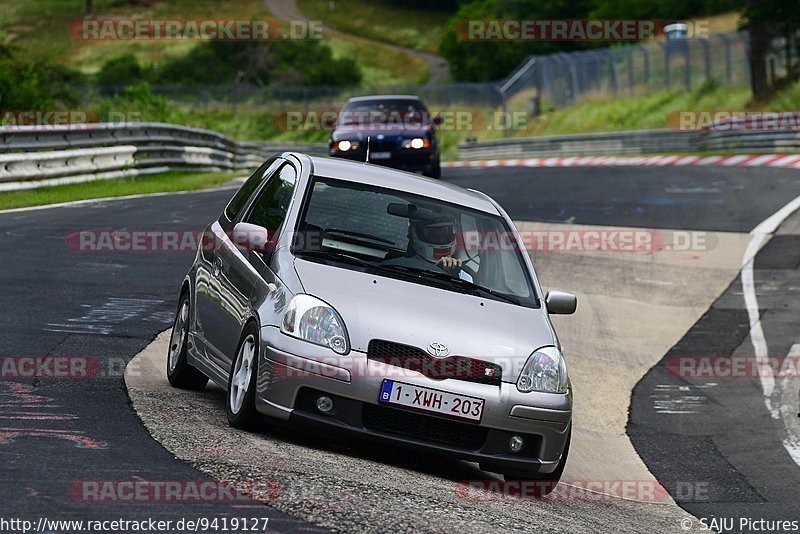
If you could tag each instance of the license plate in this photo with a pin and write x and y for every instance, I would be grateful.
(380, 155)
(431, 400)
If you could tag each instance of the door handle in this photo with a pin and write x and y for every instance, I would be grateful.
(217, 266)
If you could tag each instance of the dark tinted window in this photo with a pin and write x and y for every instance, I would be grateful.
(272, 204)
(383, 111)
(240, 198)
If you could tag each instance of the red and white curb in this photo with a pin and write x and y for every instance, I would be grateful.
(765, 160)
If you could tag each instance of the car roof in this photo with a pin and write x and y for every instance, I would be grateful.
(379, 176)
(372, 98)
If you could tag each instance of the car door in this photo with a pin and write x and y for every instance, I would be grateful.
(237, 276)
(211, 300)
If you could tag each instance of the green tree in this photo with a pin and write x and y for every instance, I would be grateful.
(766, 20)
(261, 63)
(475, 60)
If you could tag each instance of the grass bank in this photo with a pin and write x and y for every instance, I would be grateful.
(140, 185)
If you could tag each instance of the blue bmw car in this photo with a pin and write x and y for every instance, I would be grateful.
(393, 130)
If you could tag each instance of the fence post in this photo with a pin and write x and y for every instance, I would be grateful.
(745, 38)
(707, 57)
(573, 74)
(629, 53)
(613, 72)
(728, 68)
(687, 71)
(646, 57)
(667, 74)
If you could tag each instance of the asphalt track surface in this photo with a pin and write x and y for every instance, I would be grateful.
(109, 306)
(692, 428)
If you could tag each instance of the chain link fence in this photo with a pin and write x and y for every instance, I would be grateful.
(619, 71)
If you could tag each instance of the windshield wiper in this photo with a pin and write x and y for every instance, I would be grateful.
(357, 234)
(454, 281)
(336, 255)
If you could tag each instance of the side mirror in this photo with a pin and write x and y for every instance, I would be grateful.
(561, 302)
(249, 237)
(437, 120)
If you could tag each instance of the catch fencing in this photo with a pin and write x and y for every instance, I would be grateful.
(617, 71)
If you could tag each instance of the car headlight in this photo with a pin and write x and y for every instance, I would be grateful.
(544, 371)
(310, 319)
(417, 143)
(345, 145)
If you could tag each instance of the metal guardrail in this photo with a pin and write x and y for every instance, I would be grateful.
(752, 141)
(33, 156)
(634, 142)
(637, 142)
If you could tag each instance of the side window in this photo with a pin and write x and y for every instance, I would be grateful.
(271, 206)
(239, 200)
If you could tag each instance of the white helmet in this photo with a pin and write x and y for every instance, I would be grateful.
(433, 239)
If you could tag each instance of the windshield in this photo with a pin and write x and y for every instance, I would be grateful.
(419, 239)
(385, 112)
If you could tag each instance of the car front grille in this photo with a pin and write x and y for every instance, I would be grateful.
(415, 359)
(382, 145)
(423, 427)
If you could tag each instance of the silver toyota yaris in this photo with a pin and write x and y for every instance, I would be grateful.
(345, 296)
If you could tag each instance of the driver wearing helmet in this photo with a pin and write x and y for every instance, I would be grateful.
(432, 242)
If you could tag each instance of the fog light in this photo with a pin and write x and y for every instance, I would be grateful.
(515, 443)
(325, 404)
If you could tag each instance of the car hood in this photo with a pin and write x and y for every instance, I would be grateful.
(375, 307)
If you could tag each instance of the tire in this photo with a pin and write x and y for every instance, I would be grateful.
(240, 398)
(552, 478)
(179, 373)
(435, 170)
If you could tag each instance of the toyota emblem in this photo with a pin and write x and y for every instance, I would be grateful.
(438, 349)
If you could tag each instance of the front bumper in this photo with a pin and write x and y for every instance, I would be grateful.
(289, 384)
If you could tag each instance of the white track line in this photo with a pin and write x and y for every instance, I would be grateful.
(759, 236)
(792, 441)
